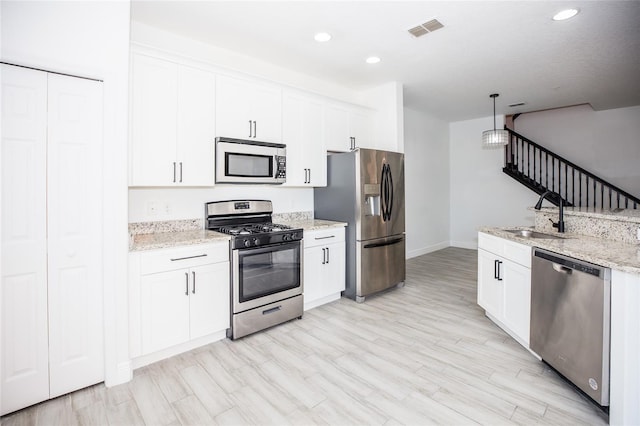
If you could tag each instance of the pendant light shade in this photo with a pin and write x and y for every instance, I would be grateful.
(494, 138)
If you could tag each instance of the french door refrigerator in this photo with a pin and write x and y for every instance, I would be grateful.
(365, 188)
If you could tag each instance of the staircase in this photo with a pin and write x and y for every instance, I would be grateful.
(541, 170)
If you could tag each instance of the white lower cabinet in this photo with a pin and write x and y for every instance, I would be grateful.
(178, 295)
(324, 266)
(52, 247)
(504, 284)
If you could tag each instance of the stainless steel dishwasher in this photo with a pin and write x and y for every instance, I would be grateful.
(570, 320)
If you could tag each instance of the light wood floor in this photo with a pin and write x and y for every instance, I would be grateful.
(423, 354)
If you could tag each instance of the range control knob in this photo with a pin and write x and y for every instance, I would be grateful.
(256, 242)
(247, 243)
(294, 236)
(285, 237)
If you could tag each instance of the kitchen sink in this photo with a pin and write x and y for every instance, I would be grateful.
(528, 233)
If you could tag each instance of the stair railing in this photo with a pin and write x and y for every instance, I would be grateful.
(541, 169)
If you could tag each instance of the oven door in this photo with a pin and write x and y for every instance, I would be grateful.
(266, 274)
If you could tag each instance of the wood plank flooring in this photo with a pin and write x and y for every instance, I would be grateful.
(422, 354)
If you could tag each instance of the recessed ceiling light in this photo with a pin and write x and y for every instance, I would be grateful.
(322, 37)
(373, 60)
(565, 14)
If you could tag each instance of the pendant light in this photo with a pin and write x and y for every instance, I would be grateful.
(494, 138)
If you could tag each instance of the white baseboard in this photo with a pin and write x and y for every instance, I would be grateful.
(429, 249)
(473, 245)
(321, 301)
(124, 374)
(147, 359)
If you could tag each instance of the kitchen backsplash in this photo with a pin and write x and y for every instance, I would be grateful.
(618, 226)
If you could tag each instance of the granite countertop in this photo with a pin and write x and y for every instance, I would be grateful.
(177, 233)
(313, 224)
(159, 240)
(612, 254)
(620, 215)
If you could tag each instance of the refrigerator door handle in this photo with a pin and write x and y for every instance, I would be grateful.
(390, 180)
(384, 243)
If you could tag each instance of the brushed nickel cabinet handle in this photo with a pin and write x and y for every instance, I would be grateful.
(193, 290)
(186, 283)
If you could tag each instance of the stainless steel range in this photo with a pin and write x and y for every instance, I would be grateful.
(266, 264)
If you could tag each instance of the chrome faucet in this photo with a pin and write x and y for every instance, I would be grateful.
(560, 223)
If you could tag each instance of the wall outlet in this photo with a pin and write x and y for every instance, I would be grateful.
(152, 208)
(166, 208)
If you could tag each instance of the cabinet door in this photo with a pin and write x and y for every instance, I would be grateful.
(517, 299)
(233, 108)
(246, 110)
(490, 290)
(314, 259)
(154, 105)
(196, 127)
(266, 111)
(303, 133)
(74, 171)
(337, 131)
(209, 299)
(164, 309)
(335, 269)
(23, 326)
(360, 125)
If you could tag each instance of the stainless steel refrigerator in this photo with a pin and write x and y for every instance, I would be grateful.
(365, 188)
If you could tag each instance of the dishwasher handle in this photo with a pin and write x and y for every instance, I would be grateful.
(562, 269)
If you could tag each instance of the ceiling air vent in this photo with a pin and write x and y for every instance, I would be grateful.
(426, 28)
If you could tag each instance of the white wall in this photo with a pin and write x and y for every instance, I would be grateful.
(188, 203)
(426, 182)
(481, 194)
(603, 142)
(89, 38)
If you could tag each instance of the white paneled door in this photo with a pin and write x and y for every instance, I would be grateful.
(74, 180)
(52, 330)
(25, 369)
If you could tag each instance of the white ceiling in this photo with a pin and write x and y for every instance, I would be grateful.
(508, 47)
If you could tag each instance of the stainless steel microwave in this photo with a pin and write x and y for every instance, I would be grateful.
(243, 161)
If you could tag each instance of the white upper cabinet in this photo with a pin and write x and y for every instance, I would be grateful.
(303, 133)
(248, 110)
(196, 130)
(348, 127)
(172, 124)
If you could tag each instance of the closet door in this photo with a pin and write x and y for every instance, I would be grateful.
(25, 373)
(74, 179)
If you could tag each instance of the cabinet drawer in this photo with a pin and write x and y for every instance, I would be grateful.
(490, 243)
(323, 237)
(184, 257)
(518, 253)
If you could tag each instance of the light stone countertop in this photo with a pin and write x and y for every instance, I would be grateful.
(313, 224)
(159, 240)
(612, 254)
(176, 238)
(622, 215)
